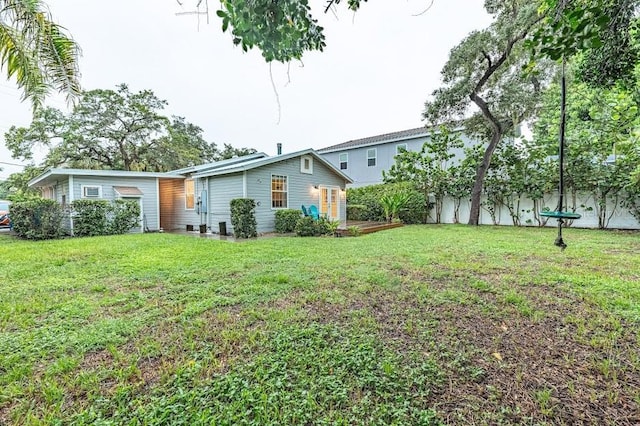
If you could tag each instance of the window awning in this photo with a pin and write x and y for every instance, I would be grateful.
(128, 191)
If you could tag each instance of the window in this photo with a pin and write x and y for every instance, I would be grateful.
(401, 147)
(279, 194)
(344, 161)
(189, 194)
(306, 164)
(91, 191)
(371, 157)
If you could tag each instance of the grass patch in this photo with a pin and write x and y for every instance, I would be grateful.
(416, 325)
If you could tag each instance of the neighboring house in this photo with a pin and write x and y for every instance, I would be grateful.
(200, 195)
(363, 160)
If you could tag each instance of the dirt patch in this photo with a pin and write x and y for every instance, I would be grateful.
(562, 361)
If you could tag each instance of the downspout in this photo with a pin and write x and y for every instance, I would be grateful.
(158, 201)
(71, 198)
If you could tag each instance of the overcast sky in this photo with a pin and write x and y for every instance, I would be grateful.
(378, 68)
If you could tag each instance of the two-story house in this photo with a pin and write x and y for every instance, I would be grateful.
(364, 159)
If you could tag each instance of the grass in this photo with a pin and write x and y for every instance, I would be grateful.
(416, 325)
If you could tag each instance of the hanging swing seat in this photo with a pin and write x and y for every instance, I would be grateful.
(560, 215)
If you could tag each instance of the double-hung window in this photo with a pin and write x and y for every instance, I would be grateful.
(344, 161)
(279, 192)
(400, 148)
(371, 157)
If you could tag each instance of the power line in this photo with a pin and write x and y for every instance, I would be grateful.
(12, 164)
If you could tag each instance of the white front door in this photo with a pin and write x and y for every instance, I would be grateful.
(330, 202)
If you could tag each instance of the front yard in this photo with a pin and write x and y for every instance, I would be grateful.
(415, 325)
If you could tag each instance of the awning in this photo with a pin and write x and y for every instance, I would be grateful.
(127, 191)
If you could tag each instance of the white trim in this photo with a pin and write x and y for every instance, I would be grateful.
(309, 170)
(208, 215)
(286, 181)
(71, 199)
(329, 188)
(185, 194)
(158, 202)
(346, 162)
(244, 184)
(83, 189)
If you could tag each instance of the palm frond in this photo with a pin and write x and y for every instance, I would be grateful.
(36, 51)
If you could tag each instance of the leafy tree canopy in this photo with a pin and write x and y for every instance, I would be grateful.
(116, 129)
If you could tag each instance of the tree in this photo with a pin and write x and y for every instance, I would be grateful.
(16, 186)
(598, 32)
(428, 169)
(115, 129)
(603, 148)
(36, 51)
(487, 69)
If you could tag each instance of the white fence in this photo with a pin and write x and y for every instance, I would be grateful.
(617, 217)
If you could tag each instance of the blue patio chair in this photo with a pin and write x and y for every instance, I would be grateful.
(313, 212)
(304, 211)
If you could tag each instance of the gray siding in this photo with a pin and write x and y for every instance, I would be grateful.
(363, 174)
(146, 185)
(301, 189)
(223, 189)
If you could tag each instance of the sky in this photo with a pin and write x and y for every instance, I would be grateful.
(379, 67)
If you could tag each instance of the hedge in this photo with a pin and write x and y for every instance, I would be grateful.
(287, 219)
(101, 217)
(38, 219)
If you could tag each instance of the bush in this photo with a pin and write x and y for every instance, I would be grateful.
(37, 219)
(367, 199)
(90, 217)
(124, 215)
(243, 218)
(357, 212)
(307, 227)
(286, 220)
(101, 217)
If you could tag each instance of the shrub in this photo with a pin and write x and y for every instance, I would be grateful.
(90, 217)
(357, 212)
(37, 219)
(243, 217)
(307, 227)
(354, 231)
(286, 220)
(123, 215)
(367, 198)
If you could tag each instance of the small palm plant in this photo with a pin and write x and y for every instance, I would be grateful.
(393, 203)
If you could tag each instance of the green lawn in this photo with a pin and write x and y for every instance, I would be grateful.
(416, 325)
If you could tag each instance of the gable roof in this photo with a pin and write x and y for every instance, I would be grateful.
(260, 162)
(375, 140)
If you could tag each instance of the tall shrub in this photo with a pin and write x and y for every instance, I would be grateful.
(243, 217)
(90, 217)
(37, 219)
(123, 215)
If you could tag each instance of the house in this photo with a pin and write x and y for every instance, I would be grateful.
(365, 159)
(188, 198)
